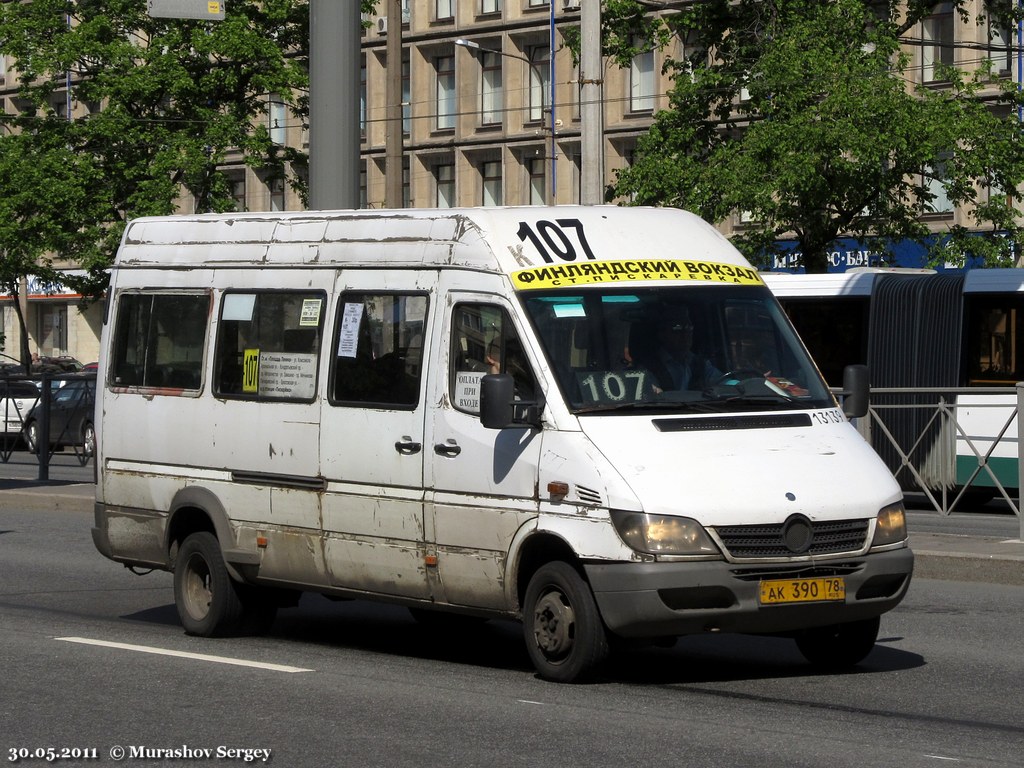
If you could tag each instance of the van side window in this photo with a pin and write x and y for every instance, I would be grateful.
(268, 344)
(485, 341)
(378, 349)
(159, 340)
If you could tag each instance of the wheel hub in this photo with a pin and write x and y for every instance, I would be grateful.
(553, 625)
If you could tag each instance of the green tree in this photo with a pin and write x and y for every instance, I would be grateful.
(798, 113)
(168, 100)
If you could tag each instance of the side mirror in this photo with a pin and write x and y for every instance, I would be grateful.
(855, 391)
(499, 408)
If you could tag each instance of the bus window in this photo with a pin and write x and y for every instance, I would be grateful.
(485, 341)
(994, 356)
(378, 354)
(834, 330)
(159, 340)
(268, 345)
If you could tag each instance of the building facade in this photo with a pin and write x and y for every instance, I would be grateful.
(491, 115)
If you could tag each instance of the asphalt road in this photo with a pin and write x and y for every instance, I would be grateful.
(94, 658)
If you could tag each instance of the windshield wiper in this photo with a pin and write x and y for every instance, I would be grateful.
(667, 406)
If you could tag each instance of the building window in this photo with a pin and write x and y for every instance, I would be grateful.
(236, 181)
(540, 78)
(362, 185)
(536, 167)
(276, 189)
(641, 81)
(937, 42)
(934, 180)
(445, 67)
(444, 9)
(444, 185)
(278, 120)
(491, 101)
(1001, 44)
(406, 98)
(362, 99)
(490, 6)
(491, 173)
(406, 187)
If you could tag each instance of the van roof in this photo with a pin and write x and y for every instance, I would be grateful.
(497, 239)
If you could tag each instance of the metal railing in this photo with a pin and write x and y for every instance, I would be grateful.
(933, 445)
(55, 420)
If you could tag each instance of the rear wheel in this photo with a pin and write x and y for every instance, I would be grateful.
(565, 636)
(208, 600)
(839, 645)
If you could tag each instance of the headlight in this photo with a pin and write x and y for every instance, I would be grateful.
(663, 534)
(891, 527)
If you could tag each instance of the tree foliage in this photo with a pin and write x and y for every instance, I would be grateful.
(798, 113)
(167, 101)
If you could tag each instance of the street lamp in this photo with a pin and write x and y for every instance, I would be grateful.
(474, 46)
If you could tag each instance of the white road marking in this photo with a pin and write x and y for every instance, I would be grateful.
(943, 757)
(184, 654)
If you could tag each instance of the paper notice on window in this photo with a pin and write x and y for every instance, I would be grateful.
(348, 341)
(287, 375)
(310, 316)
(467, 390)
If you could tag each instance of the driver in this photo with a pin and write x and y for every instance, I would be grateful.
(677, 366)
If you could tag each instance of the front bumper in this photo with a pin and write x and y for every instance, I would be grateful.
(684, 598)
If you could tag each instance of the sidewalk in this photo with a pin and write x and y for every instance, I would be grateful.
(966, 546)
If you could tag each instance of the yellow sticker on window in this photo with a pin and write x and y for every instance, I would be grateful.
(251, 371)
(629, 270)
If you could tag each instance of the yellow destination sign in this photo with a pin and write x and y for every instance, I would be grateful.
(628, 270)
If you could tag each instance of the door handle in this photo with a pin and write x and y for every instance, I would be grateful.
(450, 449)
(407, 447)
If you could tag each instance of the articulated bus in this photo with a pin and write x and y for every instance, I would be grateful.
(918, 329)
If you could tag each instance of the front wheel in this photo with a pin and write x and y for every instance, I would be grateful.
(565, 636)
(840, 645)
(32, 436)
(208, 600)
(88, 444)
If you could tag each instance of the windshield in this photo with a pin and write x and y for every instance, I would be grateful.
(697, 349)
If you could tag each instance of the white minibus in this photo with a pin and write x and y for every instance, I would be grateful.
(594, 420)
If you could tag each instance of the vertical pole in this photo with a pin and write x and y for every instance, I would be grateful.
(1020, 456)
(591, 105)
(393, 99)
(334, 64)
(551, 100)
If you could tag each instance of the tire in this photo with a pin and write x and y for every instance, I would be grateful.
(565, 637)
(32, 436)
(209, 602)
(88, 439)
(839, 646)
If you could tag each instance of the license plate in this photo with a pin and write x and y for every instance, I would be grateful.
(803, 591)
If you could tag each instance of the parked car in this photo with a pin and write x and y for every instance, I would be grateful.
(56, 365)
(71, 417)
(17, 398)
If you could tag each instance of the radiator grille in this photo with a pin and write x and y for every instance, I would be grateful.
(760, 541)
